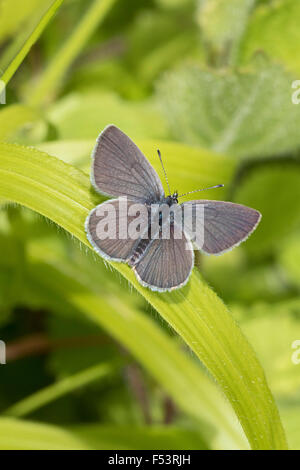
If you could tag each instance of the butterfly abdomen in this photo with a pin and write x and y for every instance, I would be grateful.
(139, 251)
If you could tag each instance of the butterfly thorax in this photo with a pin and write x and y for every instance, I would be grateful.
(144, 242)
(139, 251)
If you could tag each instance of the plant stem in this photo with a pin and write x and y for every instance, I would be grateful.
(54, 73)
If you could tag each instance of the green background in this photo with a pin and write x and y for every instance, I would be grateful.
(94, 360)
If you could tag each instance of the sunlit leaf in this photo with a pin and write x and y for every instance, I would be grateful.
(154, 437)
(25, 435)
(290, 416)
(274, 29)
(188, 386)
(59, 389)
(289, 258)
(51, 78)
(13, 15)
(278, 328)
(13, 117)
(188, 168)
(23, 43)
(141, 120)
(273, 188)
(244, 114)
(222, 24)
(62, 193)
(17, 434)
(238, 279)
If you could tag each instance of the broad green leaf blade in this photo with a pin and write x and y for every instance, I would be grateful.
(14, 117)
(59, 389)
(138, 119)
(62, 193)
(279, 327)
(290, 416)
(278, 348)
(30, 40)
(184, 382)
(237, 113)
(187, 167)
(240, 280)
(154, 437)
(150, 54)
(54, 73)
(289, 258)
(23, 435)
(53, 278)
(54, 282)
(274, 29)
(273, 188)
(222, 25)
(16, 434)
(13, 15)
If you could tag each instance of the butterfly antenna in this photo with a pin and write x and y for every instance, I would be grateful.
(159, 154)
(204, 189)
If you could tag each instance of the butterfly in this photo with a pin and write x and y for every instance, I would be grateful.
(120, 170)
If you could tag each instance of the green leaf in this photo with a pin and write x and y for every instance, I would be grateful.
(290, 415)
(278, 325)
(188, 386)
(176, 36)
(141, 119)
(27, 435)
(273, 188)
(289, 258)
(222, 25)
(173, 4)
(16, 434)
(13, 117)
(30, 39)
(57, 390)
(240, 280)
(75, 152)
(53, 276)
(54, 73)
(244, 114)
(62, 193)
(13, 15)
(201, 169)
(274, 29)
(154, 437)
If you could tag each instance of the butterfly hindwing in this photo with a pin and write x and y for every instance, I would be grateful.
(114, 247)
(166, 264)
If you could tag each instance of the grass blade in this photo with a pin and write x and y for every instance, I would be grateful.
(62, 193)
(56, 70)
(30, 40)
(16, 434)
(183, 380)
(59, 389)
(13, 117)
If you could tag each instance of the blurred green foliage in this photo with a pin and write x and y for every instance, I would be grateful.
(90, 363)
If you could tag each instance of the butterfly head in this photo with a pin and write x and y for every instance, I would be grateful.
(172, 199)
(175, 197)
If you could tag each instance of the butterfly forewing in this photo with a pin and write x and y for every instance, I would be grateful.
(119, 168)
(226, 224)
